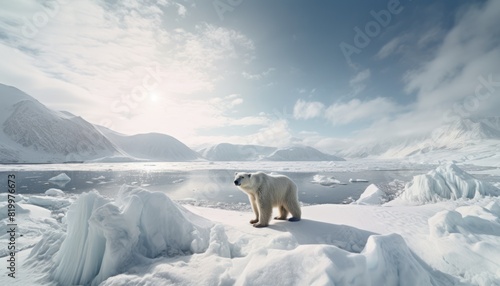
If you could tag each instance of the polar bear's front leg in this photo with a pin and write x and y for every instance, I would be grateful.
(254, 208)
(265, 212)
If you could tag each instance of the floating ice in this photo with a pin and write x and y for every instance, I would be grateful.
(358, 180)
(326, 181)
(60, 178)
(54, 192)
(49, 202)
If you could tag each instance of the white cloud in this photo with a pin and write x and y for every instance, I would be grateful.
(181, 10)
(357, 83)
(360, 77)
(355, 110)
(445, 85)
(389, 48)
(469, 51)
(277, 132)
(307, 110)
(106, 63)
(257, 76)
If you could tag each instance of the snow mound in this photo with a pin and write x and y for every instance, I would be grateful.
(60, 178)
(372, 196)
(386, 260)
(474, 232)
(326, 181)
(446, 182)
(54, 192)
(105, 238)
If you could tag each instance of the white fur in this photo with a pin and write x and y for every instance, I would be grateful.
(265, 192)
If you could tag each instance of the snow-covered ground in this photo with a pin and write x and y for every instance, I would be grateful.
(144, 238)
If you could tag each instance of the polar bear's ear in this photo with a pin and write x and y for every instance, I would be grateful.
(235, 173)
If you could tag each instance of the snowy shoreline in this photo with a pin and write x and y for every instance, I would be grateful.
(423, 238)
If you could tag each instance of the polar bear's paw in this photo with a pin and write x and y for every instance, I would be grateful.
(280, 218)
(294, 219)
(254, 221)
(259, 225)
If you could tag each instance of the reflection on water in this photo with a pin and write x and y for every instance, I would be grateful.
(206, 185)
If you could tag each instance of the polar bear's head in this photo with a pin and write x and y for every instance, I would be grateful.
(242, 179)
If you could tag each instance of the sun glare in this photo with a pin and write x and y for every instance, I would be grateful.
(153, 97)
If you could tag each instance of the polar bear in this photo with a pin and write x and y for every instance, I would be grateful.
(265, 192)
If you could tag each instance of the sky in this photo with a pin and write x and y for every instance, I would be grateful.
(328, 75)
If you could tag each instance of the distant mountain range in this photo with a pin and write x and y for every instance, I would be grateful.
(234, 152)
(465, 137)
(151, 146)
(32, 133)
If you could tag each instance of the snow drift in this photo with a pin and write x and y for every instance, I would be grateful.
(477, 260)
(105, 238)
(446, 182)
(385, 260)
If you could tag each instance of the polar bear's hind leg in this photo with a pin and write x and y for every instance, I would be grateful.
(283, 213)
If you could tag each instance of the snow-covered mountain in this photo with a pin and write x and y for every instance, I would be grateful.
(234, 152)
(32, 133)
(151, 146)
(301, 153)
(466, 137)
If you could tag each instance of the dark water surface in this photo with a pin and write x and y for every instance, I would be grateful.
(203, 185)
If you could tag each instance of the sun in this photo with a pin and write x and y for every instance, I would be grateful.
(153, 97)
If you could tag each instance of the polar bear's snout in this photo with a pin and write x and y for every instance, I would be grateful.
(237, 182)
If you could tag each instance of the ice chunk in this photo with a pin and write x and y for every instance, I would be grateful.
(371, 196)
(326, 181)
(54, 192)
(446, 182)
(104, 237)
(49, 202)
(358, 180)
(60, 178)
